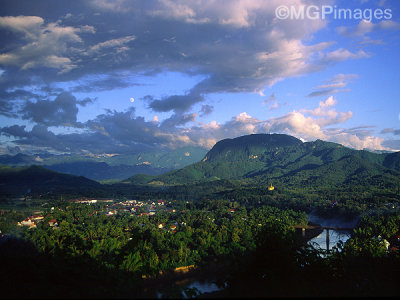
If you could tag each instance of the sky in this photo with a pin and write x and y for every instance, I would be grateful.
(119, 77)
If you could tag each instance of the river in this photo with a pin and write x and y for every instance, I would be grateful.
(189, 289)
(193, 286)
(334, 235)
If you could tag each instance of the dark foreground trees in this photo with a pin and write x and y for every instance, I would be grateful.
(257, 251)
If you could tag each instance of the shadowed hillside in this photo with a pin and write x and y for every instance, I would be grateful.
(39, 180)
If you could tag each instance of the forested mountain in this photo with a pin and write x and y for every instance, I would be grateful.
(20, 159)
(249, 147)
(392, 161)
(264, 158)
(230, 167)
(38, 180)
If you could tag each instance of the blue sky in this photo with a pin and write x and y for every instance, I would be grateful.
(198, 71)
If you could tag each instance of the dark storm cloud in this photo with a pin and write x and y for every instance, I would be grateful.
(86, 101)
(7, 108)
(13, 150)
(206, 110)
(61, 111)
(14, 130)
(38, 136)
(18, 94)
(128, 130)
(93, 142)
(177, 103)
(178, 120)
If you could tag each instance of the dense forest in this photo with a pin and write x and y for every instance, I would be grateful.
(256, 249)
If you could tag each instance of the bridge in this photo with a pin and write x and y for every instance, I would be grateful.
(327, 228)
(304, 227)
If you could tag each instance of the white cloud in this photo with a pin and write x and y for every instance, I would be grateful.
(295, 123)
(113, 43)
(28, 25)
(365, 27)
(328, 102)
(353, 141)
(233, 13)
(335, 85)
(45, 45)
(338, 81)
(328, 116)
(121, 6)
(342, 54)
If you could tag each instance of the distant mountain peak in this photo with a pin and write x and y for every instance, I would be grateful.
(284, 158)
(249, 146)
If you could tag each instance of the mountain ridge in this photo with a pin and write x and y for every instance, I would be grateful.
(261, 158)
(110, 167)
(39, 180)
(255, 160)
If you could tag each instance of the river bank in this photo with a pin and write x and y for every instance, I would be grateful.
(194, 281)
(202, 281)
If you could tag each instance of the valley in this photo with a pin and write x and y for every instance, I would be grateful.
(238, 209)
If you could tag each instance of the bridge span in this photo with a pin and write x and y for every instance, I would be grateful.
(326, 228)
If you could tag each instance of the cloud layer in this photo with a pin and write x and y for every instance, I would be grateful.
(123, 132)
(238, 46)
(95, 46)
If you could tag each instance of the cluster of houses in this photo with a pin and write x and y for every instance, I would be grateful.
(393, 245)
(32, 221)
(90, 201)
(112, 208)
(132, 207)
(171, 227)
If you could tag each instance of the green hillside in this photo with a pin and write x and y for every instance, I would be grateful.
(249, 147)
(392, 161)
(37, 180)
(262, 158)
